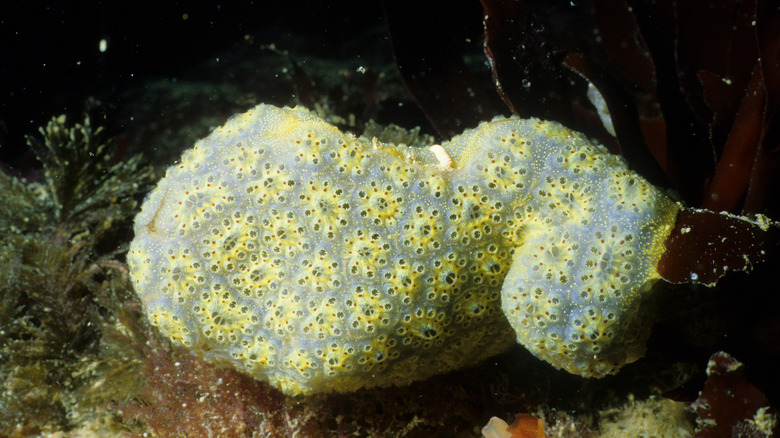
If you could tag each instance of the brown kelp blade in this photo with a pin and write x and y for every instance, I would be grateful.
(705, 245)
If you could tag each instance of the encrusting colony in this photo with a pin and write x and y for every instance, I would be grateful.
(320, 261)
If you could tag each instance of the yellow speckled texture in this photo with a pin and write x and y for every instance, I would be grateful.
(319, 261)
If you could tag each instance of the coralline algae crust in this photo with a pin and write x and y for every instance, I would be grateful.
(320, 261)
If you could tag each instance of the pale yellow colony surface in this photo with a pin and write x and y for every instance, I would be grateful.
(320, 261)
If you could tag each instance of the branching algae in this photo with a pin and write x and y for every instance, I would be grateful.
(60, 288)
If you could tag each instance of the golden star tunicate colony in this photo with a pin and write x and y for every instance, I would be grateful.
(321, 261)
